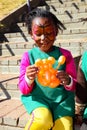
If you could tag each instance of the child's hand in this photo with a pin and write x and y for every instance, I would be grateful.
(63, 77)
(31, 72)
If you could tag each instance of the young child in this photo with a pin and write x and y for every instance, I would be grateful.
(49, 108)
(81, 92)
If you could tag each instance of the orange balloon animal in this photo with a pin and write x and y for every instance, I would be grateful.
(47, 74)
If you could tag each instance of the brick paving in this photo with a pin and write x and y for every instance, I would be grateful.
(12, 114)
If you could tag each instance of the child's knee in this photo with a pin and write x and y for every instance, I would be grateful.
(63, 123)
(40, 118)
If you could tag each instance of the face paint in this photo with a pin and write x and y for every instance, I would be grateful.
(44, 29)
(43, 32)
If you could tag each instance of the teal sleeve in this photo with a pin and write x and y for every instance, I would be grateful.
(84, 64)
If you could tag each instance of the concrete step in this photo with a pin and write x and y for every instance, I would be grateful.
(69, 13)
(9, 86)
(15, 48)
(77, 47)
(74, 8)
(10, 60)
(9, 64)
(72, 34)
(13, 115)
(66, 3)
(69, 16)
(16, 37)
(74, 27)
(4, 69)
(9, 69)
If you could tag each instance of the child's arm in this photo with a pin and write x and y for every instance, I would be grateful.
(81, 90)
(24, 85)
(70, 69)
(81, 87)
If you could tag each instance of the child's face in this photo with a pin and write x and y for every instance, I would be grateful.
(44, 33)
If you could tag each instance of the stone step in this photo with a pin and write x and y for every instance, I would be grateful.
(66, 3)
(74, 27)
(10, 64)
(61, 36)
(71, 28)
(74, 8)
(70, 17)
(75, 46)
(18, 37)
(73, 36)
(4, 69)
(9, 86)
(15, 48)
(60, 9)
(67, 17)
(13, 115)
(10, 60)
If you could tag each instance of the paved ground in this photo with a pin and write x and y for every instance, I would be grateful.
(13, 115)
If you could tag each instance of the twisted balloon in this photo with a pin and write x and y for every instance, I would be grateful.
(47, 74)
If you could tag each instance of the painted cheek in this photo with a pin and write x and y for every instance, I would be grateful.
(34, 37)
(52, 36)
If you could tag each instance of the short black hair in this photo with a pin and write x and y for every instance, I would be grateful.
(38, 12)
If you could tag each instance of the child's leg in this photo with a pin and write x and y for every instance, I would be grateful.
(63, 123)
(40, 119)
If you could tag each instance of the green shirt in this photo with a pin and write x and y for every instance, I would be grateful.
(58, 100)
(84, 69)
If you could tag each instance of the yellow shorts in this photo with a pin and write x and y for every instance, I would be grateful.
(41, 119)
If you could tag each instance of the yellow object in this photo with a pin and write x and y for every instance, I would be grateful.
(40, 119)
(63, 123)
(61, 61)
